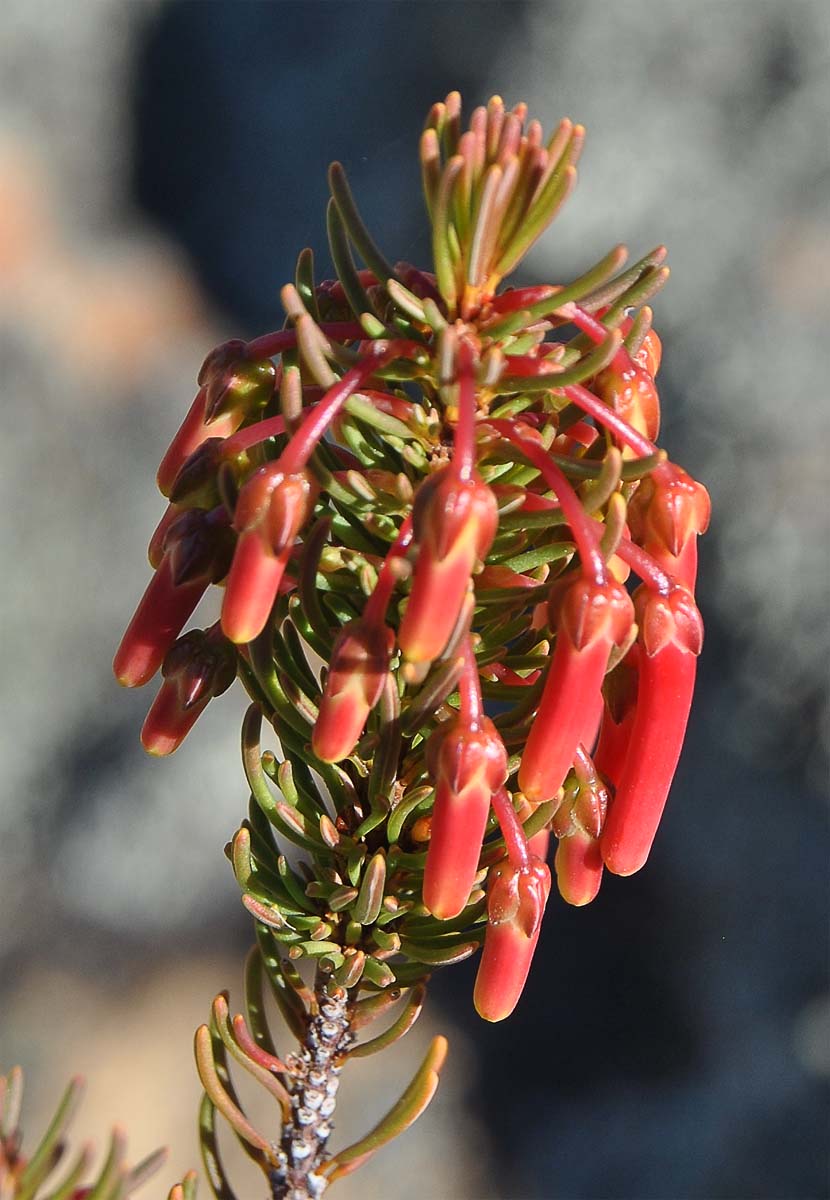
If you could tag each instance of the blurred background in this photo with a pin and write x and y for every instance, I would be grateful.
(160, 166)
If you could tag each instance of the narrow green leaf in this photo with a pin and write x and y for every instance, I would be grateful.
(221, 1093)
(605, 294)
(290, 1000)
(304, 281)
(43, 1159)
(211, 1159)
(587, 366)
(267, 1079)
(186, 1190)
(357, 231)
(370, 897)
(111, 1170)
(68, 1189)
(399, 1118)
(255, 1003)
(440, 955)
(139, 1174)
(408, 1017)
(344, 263)
(418, 800)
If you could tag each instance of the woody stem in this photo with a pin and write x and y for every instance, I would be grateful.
(315, 1076)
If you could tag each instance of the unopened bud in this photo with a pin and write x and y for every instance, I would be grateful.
(200, 666)
(631, 392)
(454, 523)
(271, 510)
(357, 670)
(665, 516)
(516, 899)
(234, 383)
(466, 767)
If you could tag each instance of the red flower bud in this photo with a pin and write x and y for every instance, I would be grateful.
(630, 391)
(198, 667)
(516, 898)
(196, 483)
(189, 437)
(665, 516)
(236, 386)
(592, 618)
(577, 824)
(196, 553)
(271, 510)
(671, 636)
(357, 670)
(454, 523)
(466, 767)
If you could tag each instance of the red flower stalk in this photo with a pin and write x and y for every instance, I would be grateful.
(467, 762)
(197, 549)
(200, 666)
(577, 824)
(271, 509)
(671, 635)
(666, 514)
(592, 618)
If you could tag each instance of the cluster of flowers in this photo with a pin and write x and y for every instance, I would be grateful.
(491, 454)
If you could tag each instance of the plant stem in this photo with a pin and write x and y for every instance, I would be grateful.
(315, 1069)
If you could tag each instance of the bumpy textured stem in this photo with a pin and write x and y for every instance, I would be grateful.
(316, 1071)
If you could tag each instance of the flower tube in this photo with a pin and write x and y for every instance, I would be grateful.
(671, 635)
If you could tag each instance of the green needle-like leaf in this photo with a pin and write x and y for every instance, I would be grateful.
(408, 1017)
(399, 1118)
(44, 1158)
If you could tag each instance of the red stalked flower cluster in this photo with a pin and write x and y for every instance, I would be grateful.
(445, 490)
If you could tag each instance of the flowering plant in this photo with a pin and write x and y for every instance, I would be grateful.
(424, 498)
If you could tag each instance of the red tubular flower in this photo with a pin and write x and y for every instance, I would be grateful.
(231, 388)
(671, 635)
(466, 766)
(620, 691)
(592, 618)
(198, 667)
(271, 509)
(666, 514)
(357, 670)
(155, 549)
(454, 522)
(197, 549)
(577, 824)
(192, 432)
(516, 898)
